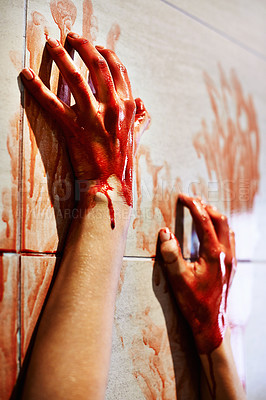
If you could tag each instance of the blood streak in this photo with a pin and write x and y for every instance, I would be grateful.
(64, 13)
(36, 281)
(163, 198)
(9, 195)
(113, 36)
(36, 31)
(89, 22)
(231, 148)
(151, 357)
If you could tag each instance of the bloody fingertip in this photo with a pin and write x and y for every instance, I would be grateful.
(28, 74)
(165, 235)
(73, 35)
(53, 42)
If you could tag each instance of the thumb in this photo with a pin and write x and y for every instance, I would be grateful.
(171, 252)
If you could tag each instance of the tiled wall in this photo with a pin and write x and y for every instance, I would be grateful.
(200, 69)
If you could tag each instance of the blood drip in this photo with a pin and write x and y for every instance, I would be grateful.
(89, 22)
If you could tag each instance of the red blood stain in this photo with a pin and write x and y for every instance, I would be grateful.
(89, 22)
(9, 325)
(231, 148)
(9, 195)
(113, 36)
(64, 13)
(5, 212)
(115, 158)
(151, 357)
(36, 31)
(35, 283)
(164, 195)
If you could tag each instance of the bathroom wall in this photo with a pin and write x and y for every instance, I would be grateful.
(200, 69)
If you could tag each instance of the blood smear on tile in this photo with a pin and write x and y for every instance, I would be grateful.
(9, 195)
(164, 197)
(231, 148)
(64, 13)
(151, 357)
(113, 36)
(8, 329)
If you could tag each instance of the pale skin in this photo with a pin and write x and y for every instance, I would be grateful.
(71, 353)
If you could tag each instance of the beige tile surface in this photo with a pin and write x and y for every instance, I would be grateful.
(9, 297)
(10, 64)
(36, 275)
(241, 21)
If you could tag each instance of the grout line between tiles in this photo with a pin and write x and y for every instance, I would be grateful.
(136, 258)
(216, 30)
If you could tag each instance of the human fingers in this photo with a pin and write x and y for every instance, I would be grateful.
(203, 224)
(118, 71)
(171, 253)
(221, 226)
(47, 99)
(76, 82)
(99, 71)
(63, 91)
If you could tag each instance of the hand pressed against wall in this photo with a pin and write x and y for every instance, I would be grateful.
(102, 129)
(201, 288)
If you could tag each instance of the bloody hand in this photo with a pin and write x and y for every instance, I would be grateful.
(201, 288)
(102, 129)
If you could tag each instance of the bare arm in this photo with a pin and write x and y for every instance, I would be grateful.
(201, 290)
(70, 357)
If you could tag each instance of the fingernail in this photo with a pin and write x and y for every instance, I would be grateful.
(53, 42)
(73, 35)
(165, 235)
(99, 47)
(28, 74)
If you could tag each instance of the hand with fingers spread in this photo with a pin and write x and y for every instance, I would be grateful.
(201, 288)
(71, 352)
(102, 129)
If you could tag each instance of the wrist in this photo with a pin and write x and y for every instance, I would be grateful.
(106, 200)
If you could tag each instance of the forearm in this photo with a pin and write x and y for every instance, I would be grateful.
(221, 380)
(71, 354)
